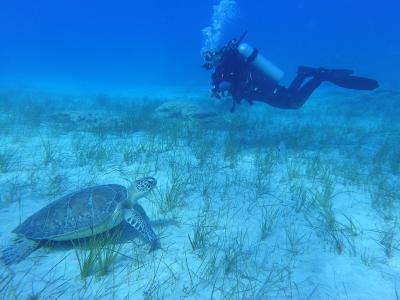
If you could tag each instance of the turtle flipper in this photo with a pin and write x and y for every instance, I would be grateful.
(6, 279)
(19, 249)
(138, 221)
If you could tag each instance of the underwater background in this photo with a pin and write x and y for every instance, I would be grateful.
(130, 43)
(262, 203)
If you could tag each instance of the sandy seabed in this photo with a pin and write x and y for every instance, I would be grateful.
(259, 204)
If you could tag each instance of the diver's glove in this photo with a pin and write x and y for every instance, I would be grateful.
(215, 92)
(219, 90)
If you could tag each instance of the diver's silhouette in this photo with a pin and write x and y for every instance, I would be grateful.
(245, 74)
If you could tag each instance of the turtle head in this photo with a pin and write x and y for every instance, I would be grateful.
(140, 188)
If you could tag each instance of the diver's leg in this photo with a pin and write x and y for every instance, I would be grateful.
(304, 92)
(297, 82)
(310, 71)
(340, 77)
(289, 98)
(296, 94)
(295, 98)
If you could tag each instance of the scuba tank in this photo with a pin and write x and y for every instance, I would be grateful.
(251, 55)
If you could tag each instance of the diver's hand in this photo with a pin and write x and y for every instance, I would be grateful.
(215, 92)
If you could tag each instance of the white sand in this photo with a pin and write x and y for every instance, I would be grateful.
(228, 176)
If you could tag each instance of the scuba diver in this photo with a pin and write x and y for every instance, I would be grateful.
(241, 71)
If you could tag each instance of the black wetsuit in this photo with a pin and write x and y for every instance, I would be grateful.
(246, 82)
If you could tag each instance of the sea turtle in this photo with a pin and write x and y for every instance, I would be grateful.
(82, 214)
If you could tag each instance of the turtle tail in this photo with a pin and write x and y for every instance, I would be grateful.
(19, 249)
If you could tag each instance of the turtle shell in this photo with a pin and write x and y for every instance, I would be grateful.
(84, 210)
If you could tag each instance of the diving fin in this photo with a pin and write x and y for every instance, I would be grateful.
(323, 72)
(354, 82)
(340, 77)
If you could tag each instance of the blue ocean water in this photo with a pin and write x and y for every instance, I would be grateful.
(261, 203)
(132, 43)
